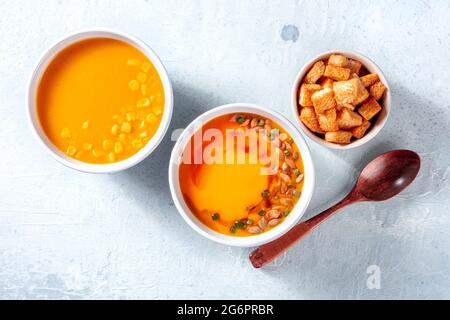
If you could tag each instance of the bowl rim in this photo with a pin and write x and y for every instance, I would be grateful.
(195, 223)
(370, 66)
(45, 59)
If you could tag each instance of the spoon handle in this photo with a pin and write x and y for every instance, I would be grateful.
(269, 251)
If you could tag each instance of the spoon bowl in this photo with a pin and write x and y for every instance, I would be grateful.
(381, 179)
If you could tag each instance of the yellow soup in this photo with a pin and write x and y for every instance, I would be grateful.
(100, 100)
(229, 188)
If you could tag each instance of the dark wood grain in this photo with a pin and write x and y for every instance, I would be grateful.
(381, 179)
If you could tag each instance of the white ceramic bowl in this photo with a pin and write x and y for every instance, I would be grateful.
(255, 240)
(375, 127)
(40, 68)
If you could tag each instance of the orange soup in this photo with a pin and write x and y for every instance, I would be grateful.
(100, 100)
(243, 177)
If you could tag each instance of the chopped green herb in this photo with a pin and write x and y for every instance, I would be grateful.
(286, 213)
(233, 229)
(287, 153)
(265, 193)
(262, 212)
(215, 216)
(240, 119)
(296, 171)
(296, 193)
(240, 225)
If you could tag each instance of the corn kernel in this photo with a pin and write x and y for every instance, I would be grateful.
(133, 85)
(144, 90)
(111, 157)
(151, 118)
(143, 134)
(158, 110)
(126, 127)
(115, 129)
(97, 153)
(71, 150)
(142, 124)
(85, 125)
(87, 146)
(65, 133)
(107, 145)
(117, 119)
(141, 77)
(143, 103)
(79, 154)
(145, 66)
(122, 137)
(133, 62)
(131, 116)
(137, 144)
(152, 98)
(118, 147)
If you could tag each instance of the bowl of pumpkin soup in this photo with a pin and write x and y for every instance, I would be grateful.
(100, 101)
(241, 175)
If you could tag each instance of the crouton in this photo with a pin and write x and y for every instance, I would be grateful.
(369, 79)
(349, 106)
(377, 90)
(348, 119)
(337, 73)
(323, 100)
(338, 60)
(360, 131)
(327, 120)
(350, 92)
(342, 137)
(355, 66)
(369, 108)
(309, 119)
(326, 82)
(315, 72)
(306, 91)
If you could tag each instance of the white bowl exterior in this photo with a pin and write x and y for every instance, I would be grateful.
(385, 102)
(256, 240)
(42, 65)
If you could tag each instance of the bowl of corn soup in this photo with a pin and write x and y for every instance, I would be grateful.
(241, 175)
(100, 101)
(341, 99)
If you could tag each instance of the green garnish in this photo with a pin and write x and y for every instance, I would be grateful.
(296, 193)
(296, 171)
(265, 193)
(287, 153)
(215, 216)
(240, 119)
(233, 229)
(286, 213)
(262, 212)
(240, 225)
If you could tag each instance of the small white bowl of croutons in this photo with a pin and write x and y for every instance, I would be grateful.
(341, 99)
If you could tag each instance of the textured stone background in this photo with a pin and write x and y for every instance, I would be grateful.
(65, 234)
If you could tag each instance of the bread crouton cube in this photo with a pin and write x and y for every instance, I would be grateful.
(349, 106)
(369, 79)
(315, 72)
(309, 119)
(327, 120)
(350, 92)
(348, 119)
(369, 108)
(377, 90)
(359, 131)
(342, 137)
(306, 91)
(326, 82)
(338, 60)
(323, 100)
(337, 73)
(354, 65)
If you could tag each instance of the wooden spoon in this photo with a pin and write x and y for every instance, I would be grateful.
(382, 178)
